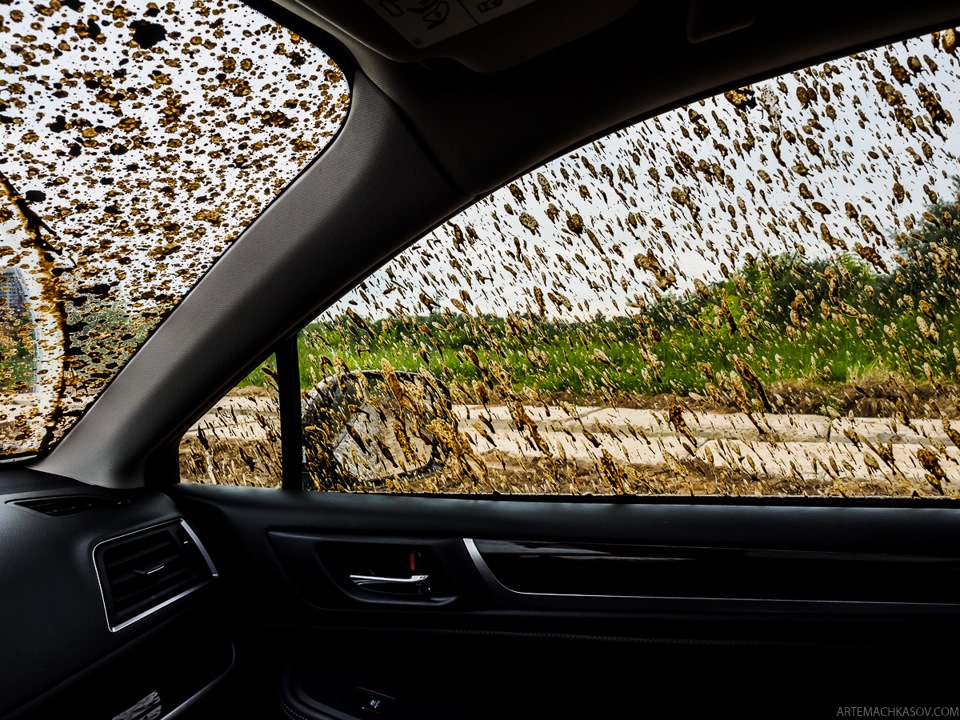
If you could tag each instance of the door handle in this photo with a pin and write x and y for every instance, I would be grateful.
(413, 585)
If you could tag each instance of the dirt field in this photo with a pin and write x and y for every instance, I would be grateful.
(899, 442)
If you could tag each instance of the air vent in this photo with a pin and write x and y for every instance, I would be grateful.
(68, 504)
(149, 569)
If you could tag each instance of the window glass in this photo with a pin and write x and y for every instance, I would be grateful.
(756, 294)
(238, 441)
(137, 140)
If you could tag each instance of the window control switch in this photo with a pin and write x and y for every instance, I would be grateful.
(374, 703)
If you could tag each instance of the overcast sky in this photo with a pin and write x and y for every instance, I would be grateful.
(880, 131)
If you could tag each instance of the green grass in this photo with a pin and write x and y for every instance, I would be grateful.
(554, 358)
(781, 318)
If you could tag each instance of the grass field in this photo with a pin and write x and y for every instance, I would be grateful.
(781, 319)
(624, 361)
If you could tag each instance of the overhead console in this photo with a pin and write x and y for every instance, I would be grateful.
(483, 35)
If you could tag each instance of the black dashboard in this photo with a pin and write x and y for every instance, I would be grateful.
(107, 600)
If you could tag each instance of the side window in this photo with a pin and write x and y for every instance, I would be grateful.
(753, 295)
(238, 441)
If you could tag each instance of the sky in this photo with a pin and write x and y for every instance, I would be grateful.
(818, 161)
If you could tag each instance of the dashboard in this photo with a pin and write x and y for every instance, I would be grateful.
(108, 602)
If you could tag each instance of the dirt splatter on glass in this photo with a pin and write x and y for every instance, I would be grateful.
(137, 140)
(753, 295)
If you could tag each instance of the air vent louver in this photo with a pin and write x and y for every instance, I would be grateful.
(146, 570)
(68, 504)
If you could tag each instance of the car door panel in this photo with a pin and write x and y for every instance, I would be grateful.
(578, 601)
(541, 606)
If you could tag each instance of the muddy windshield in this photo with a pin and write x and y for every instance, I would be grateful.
(137, 140)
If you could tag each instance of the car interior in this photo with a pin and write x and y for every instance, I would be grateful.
(127, 593)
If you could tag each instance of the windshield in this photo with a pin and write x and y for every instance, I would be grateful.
(137, 140)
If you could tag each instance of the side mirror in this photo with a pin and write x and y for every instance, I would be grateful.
(363, 428)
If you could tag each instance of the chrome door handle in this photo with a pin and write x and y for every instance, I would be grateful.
(413, 585)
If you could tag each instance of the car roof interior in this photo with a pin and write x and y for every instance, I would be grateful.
(429, 131)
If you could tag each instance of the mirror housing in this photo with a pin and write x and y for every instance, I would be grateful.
(362, 429)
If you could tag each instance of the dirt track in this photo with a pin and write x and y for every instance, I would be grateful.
(645, 450)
